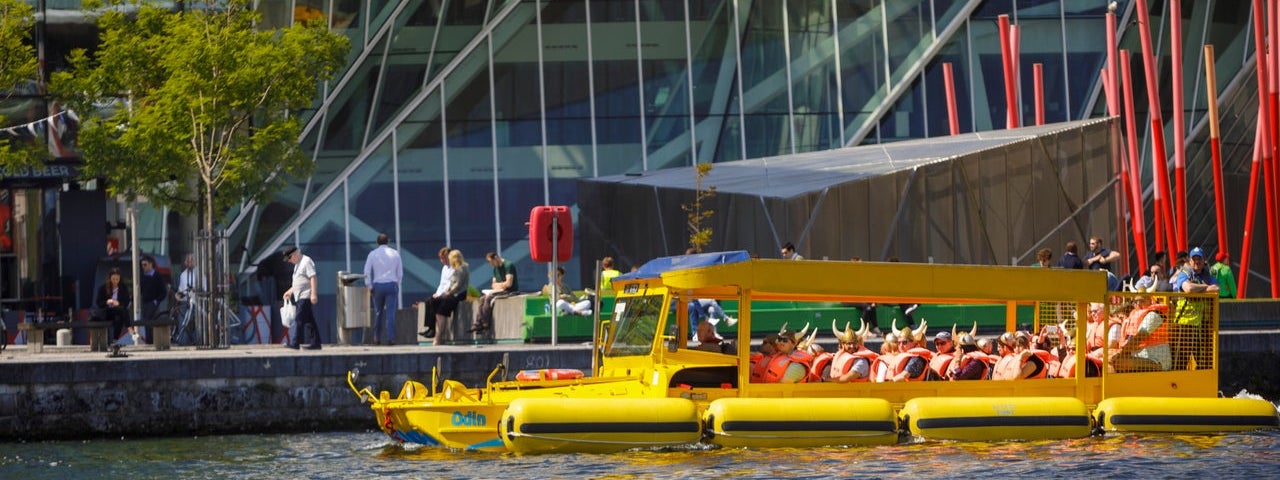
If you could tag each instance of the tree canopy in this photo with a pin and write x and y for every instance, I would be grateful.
(17, 61)
(195, 108)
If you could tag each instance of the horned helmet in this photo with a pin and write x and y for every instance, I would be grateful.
(849, 335)
(806, 343)
(795, 337)
(916, 335)
(966, 339)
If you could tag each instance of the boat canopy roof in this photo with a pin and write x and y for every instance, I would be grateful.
(656, 267)
(725, 274)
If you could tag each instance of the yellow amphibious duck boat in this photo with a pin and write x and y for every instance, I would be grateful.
(651, 388)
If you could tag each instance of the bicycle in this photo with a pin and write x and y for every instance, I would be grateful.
(188, 331)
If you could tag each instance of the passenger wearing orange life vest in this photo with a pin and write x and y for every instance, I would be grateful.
(1015, 362)
(1067, 369)
(971, 362)
(852, 362)
(788, 365)
(1052, 340)
(880, 367)
(1142, 340)
(912, 361)
(818, 358)
(1096, 329)
(759, 360)
(945, 352)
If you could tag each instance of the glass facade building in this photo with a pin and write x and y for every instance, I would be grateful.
(453, 118)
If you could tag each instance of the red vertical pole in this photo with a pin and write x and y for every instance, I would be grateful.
(1251, 202)
(1271, 181)
(1039, 92)
(1113, 102)
(1159, 162)
(1215, 148)
(1006, 57)
(1264, 130)
(1266, 87)
(1135, 193)
(1129, 176)
(1015, 54)
(1179, 128)
(953, 116)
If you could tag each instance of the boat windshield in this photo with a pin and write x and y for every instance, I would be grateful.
(635, 323)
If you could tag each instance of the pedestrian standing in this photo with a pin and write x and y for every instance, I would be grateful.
(303, 292)
(383, 272)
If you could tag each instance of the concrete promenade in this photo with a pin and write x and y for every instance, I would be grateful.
(69, 392)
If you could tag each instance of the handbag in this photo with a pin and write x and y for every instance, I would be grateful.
(288, 314)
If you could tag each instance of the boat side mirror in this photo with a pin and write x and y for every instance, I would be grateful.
(673, 343)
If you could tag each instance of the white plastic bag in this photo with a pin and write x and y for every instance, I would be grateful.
(288, 314)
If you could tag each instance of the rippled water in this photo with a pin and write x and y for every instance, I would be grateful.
(371, 455)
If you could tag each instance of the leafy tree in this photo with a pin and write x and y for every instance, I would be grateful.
(194, 108)
(17, 62)
(699, 235)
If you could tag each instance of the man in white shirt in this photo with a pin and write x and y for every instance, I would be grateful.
(446, 273)
(383, 272)
(303, 292)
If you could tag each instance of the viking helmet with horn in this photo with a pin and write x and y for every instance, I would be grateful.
(849, 335)
(916, 335)
(969, 338)
(806, 343)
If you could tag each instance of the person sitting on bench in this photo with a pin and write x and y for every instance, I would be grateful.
(112, 303)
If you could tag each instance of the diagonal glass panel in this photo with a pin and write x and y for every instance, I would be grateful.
(816, 116)
(764, 81)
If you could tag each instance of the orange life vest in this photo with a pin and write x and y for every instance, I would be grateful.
(941, 364)
(975, 356)
(1050, 363)
(1133, 324)
(1068, 367)
(820, 362)
(776, 367)
(758, 366)
(1096, 333)
(900, 362)
(842, 362)
(1009, 367)
(881, 367)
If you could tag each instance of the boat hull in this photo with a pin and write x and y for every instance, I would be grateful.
(800, 422)
(597, 425)
(1185, 415)
(996, 418)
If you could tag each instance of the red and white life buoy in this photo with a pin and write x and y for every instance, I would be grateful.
(549, 374)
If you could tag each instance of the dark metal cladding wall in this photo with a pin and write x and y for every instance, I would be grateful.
(992, 206)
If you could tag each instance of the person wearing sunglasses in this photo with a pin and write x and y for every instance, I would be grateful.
(788, 365)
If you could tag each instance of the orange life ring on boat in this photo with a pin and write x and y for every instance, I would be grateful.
(549, 374)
